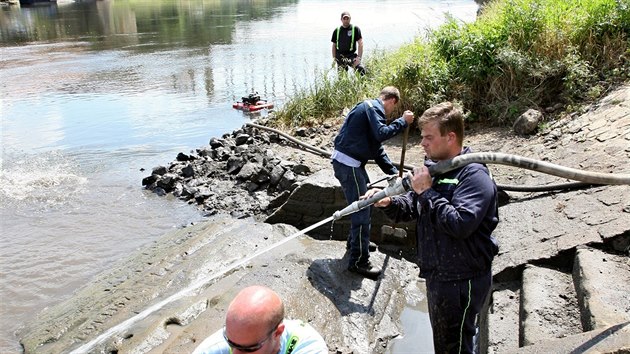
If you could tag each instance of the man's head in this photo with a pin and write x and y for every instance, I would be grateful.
(442, 131)
(253, 322)
(390, 97)
(345, 18)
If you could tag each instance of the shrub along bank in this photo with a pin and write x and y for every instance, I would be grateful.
(518, 54)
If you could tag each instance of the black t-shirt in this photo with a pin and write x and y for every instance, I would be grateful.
(345, 37)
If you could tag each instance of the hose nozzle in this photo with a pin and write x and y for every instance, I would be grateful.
(396, 187)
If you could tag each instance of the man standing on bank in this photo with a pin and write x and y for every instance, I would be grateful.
(346, 40)
(358, 141)
(456, 213)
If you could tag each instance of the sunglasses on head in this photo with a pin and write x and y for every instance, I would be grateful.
(249, 348)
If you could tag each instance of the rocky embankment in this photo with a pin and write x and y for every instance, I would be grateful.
(562, 277)
(241, 173)
(253, 172)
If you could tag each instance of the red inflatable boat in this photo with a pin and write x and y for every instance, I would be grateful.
(252, 103)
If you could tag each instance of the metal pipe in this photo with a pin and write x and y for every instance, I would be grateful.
(404, 149)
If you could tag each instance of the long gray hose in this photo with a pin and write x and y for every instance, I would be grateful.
(529, 164)
(586, 177)
(546, 187)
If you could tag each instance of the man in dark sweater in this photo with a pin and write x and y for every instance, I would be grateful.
(358, 141)
(346, 41)
(456, 213)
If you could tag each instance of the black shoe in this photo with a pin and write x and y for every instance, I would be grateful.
(365, 270)
(371, 247)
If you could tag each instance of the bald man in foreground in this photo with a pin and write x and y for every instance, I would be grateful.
(255, 323)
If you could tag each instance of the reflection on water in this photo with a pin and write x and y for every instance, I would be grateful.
(417, 337)
(144, 25)
(93, 94)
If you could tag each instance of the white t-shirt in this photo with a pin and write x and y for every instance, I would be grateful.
(308, 340)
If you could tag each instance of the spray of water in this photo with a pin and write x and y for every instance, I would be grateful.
(40, 181)
(192, 287)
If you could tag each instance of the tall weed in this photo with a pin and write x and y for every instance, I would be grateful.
(518, 54)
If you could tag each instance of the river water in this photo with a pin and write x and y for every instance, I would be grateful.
(94, 94)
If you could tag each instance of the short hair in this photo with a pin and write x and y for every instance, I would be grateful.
(449, 118)
(276, 316)
(390, 92)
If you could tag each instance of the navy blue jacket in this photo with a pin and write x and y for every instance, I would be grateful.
(364, 130)
(455, 220)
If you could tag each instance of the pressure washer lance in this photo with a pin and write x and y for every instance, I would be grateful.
(396, 186)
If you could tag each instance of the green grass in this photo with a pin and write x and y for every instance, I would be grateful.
(519, 54)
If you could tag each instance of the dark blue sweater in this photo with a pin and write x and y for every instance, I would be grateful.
(364, 130)
(455, 220)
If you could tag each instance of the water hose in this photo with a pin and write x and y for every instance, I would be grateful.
(546, 187)
(404, 185)
(308, 147)
(529, 164)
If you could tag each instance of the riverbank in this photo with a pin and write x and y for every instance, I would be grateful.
(170, 296)
(94, 91)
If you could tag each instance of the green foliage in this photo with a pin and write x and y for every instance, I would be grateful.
(517, 55)
(524, 53)
(324, 99)
(420, 77)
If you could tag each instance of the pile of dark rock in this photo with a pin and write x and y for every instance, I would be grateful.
(239, 173)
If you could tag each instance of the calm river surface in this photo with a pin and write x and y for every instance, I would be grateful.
(92, 92)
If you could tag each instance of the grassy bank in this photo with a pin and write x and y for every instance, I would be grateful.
(519, 54)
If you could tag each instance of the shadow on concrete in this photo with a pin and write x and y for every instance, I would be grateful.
(331, 278)
(599, 338)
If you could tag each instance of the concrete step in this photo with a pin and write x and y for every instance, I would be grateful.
(500, 326)
(552, 310)
(549, 307)
(614, 339)
(602, 281)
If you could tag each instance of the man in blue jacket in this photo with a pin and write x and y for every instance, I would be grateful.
(358, 141)
(456, 213)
